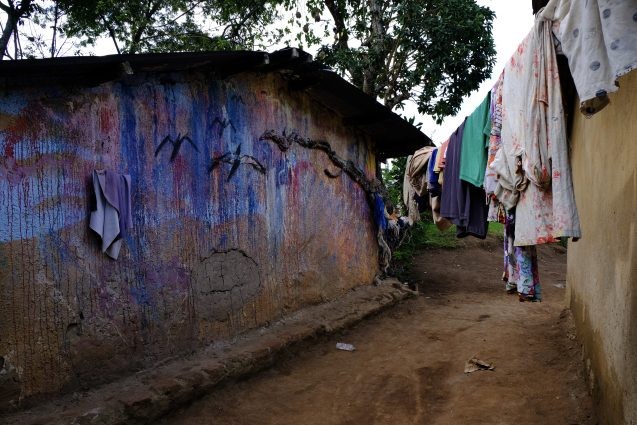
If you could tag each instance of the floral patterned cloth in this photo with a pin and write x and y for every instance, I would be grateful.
(490, 176)
(520, 264)
(534, 135)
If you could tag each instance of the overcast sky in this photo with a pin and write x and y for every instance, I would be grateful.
(514, 20)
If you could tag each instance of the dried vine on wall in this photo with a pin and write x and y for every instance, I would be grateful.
(372, 187)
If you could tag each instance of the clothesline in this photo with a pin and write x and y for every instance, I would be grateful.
(508, 161)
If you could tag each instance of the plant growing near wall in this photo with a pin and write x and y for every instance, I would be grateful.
(393, 174)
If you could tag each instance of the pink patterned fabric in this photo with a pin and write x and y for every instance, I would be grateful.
(490, 176)
(534, 131)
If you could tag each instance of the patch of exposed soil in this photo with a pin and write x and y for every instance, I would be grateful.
(408, 367)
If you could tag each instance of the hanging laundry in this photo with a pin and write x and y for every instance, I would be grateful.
(433, 185)
(449, 206)
(521, 273)
(462, 203)
(490, 176)
(434, 189)
(416, 168)
(533, 144)
(409, 197)
(442, 155)
(441, 223)
(599, 38)
(112, 218)
(475, 141)
(379, 212)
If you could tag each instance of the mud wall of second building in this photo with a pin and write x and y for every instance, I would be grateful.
(214, 250)
(602, 266)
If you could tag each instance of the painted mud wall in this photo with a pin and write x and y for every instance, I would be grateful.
(602, 267)
(212, 253)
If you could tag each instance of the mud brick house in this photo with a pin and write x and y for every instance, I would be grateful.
(240, 212)
(602, 266)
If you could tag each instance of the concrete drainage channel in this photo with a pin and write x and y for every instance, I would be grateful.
(152, 394)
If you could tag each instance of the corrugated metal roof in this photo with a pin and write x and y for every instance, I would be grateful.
(393, 136)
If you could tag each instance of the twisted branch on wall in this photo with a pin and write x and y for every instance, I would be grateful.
(370, 186)
(284, 141)
(332, 175)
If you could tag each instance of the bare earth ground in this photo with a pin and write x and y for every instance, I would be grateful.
(408, 367)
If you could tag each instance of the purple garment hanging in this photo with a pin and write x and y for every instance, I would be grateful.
(462, 203)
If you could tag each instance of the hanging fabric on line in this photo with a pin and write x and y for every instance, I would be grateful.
(462, 203)
(533, 143)
(417, 167)
(475, 141)
(599, 38)
(521, 273)
(490, 176)
(508, 161)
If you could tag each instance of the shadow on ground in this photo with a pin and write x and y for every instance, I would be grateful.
(409, 364)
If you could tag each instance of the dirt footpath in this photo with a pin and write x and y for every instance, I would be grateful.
(408, 367)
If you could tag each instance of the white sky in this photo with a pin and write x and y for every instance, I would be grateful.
(514, 20)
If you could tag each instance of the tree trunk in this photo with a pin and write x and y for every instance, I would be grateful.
(340, 35)
(9, 26)
(55, 29)
(375, 47)
(13, 16)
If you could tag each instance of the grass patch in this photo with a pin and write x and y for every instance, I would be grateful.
(496, 230)
(425, 235)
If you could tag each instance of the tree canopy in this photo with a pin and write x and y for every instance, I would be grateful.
(430, 52)
(138, 26)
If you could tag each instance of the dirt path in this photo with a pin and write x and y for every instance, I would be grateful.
(409, 362)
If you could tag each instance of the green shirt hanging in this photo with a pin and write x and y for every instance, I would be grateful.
(475, 141)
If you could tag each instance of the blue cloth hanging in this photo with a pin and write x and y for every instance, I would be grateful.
(379, 212)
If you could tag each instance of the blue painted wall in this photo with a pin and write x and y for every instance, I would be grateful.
(208, 257)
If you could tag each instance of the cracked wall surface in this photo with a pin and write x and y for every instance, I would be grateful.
(213, 250)
(222, 281)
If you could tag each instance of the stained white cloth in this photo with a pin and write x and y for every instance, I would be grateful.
(599, 38)
(510, 181)
(409, 196)
(533, 144)
(416, 169)
(112, 214)
(490, 177)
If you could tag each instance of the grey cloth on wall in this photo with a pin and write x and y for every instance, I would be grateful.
(112, 217)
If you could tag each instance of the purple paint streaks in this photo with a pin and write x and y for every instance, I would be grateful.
(309, 235)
